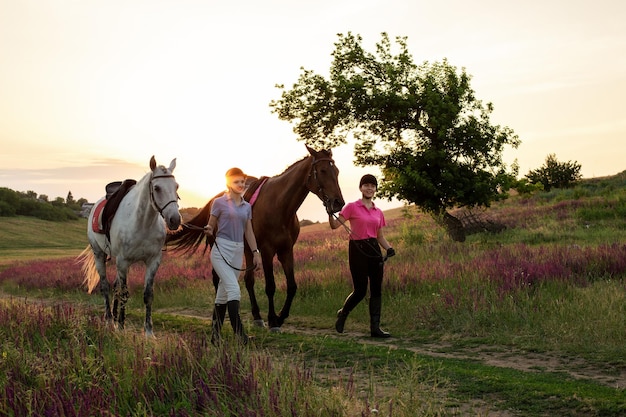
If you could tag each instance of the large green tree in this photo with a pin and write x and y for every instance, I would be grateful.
(421, 125)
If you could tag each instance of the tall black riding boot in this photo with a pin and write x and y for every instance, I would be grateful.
(342, 315)
(235, 321)
(219, 314)
(375, 307)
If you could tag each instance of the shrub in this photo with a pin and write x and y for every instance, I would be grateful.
(7, 210)
(524, 187)
(555, 174)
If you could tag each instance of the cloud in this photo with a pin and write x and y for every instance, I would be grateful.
(84, 181)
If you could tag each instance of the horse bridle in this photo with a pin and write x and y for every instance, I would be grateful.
(320, 190)
(153, 201)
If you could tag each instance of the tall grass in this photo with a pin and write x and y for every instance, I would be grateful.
(62, 360)
(553, 281)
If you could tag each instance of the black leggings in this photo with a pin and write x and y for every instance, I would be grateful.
(366, 262)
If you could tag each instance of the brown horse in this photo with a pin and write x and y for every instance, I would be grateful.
(275, 224)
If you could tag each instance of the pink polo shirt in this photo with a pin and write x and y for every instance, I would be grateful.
(364, 222)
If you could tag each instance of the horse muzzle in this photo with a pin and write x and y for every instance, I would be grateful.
(334, 205)
(173, 222)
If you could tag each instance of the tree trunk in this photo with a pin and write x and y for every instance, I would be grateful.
(453, 226)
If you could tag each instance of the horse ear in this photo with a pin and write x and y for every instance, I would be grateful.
(152, 163)
(172, 165)
(311, 150)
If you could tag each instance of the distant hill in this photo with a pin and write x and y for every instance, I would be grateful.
(596, 199)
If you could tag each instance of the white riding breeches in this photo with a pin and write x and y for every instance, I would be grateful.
(223, 253)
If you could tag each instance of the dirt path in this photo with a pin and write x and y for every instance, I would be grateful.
(491, 355)
(498, 356)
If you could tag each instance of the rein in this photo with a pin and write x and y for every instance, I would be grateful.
(345, 226)
(198, 228)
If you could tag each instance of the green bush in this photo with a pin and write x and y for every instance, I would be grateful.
(523, 186)
(7, 210)
(555, 174)
(13, 203)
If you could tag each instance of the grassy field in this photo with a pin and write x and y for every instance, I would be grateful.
(27, 238)
(527, 322)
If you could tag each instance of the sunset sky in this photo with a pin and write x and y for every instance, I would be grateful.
(90, 90)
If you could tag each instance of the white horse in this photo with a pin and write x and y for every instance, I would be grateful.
(137, 234)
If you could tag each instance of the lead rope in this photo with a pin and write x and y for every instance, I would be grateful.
(194, 227)
(249, 268)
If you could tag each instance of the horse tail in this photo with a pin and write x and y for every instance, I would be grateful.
(88, 261)
(191, 235)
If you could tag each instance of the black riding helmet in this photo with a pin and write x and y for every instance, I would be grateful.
(368, 179)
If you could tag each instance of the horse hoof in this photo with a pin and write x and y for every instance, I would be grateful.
(259, 323)
(275, 329)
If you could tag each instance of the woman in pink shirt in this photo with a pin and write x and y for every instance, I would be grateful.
(364, 254)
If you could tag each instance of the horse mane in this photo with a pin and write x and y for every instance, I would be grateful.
(292, 166)
(254, 185)
(327, 154)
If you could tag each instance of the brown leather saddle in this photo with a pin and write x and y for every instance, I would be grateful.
(115, 192)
